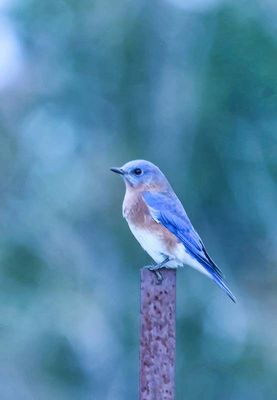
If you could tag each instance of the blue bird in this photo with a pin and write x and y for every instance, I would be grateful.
(159, 222)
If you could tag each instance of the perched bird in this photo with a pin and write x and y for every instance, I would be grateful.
(159, 222)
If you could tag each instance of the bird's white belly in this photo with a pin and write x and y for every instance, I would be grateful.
(150, 242)
(153, 244)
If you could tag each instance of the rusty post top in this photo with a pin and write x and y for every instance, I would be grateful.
(157, 336)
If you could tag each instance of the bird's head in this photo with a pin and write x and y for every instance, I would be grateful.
(143, 175)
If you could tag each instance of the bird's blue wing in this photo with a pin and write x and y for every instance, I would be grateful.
(169, 212)
(166, 209)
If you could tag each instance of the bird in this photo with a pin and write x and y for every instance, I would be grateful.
(159, 222)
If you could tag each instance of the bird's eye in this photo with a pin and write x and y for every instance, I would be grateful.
(137, 171)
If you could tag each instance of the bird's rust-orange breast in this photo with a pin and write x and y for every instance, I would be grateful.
(137, 213)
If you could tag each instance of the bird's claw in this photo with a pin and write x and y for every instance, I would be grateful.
(156, 271)
(159, 276)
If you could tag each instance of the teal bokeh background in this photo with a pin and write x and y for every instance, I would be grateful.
(85, 85)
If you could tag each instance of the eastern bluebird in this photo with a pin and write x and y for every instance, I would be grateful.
(159, 222)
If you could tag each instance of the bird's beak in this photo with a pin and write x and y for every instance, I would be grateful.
(119, 171)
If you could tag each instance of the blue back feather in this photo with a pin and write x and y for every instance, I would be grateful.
(166, 209)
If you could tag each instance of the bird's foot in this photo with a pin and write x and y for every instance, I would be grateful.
(156, 269)
(159, 276)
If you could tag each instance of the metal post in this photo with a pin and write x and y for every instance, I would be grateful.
(157, 336)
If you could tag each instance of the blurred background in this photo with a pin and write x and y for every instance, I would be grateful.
(85, 85)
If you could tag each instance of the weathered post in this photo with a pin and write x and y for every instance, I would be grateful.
(157, 335)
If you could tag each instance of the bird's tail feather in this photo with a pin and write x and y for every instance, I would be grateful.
(220, 282)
